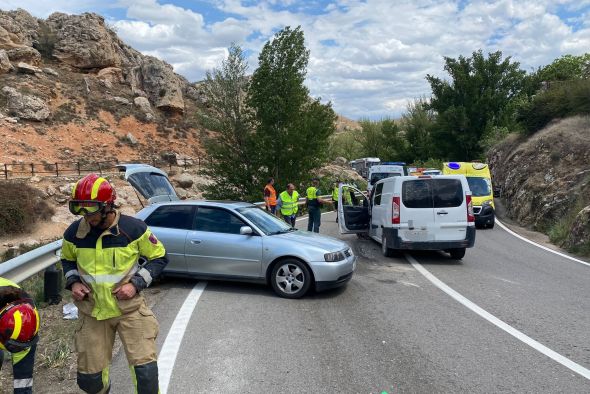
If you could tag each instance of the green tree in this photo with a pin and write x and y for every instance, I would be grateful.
(231, 145)
(566, 68)
(292, 130)
(370, 138)
(476, 100)
(418, 121)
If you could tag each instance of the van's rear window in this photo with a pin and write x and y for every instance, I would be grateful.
(432, 193)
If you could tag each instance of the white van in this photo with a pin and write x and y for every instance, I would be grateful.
(384, 170)
(409, 212)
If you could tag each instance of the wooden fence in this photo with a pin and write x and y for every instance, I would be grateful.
(26, 170)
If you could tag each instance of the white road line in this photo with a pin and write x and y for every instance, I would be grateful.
(307, 217)
(566, 362)
(167, 356)
(541, 246)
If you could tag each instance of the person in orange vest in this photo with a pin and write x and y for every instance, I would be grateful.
(19, 327)
(270, 196)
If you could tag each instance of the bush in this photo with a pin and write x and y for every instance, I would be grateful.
(20, 207)
(560, 100)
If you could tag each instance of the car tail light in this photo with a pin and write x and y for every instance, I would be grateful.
(470, 215)
(395, 218)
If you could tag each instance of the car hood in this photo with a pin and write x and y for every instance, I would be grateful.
(313, 239)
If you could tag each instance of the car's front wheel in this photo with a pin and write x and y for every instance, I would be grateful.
(290, 278)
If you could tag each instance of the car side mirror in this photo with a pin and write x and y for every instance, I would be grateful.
(246, 230)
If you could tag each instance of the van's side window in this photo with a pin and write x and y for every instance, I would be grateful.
(417, 193)
(378, 192)
(447, 193)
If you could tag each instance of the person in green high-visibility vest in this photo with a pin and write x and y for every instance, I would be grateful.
(335, 197)
(314, 203)
(287, 204)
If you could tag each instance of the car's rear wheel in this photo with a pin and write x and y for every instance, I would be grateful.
(457, 254)
(290, 278)
(387, 252)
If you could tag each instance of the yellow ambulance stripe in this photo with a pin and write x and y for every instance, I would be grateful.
(18, 324)
(95, 187)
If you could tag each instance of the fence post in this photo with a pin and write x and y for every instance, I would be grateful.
(6, 171)
(153, 162)
(78, 167)
(32, 169)
(99, 169)
(185, 163)
(56, 170)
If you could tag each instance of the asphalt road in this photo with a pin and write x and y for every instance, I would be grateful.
(390, 330)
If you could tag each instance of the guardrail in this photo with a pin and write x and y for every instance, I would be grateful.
(28, 264)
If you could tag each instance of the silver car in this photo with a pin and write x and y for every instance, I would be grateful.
(238, 241)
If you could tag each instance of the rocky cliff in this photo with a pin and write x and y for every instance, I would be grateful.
(545, 180)
(72, 89)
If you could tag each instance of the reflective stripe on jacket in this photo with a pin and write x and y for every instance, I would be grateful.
(104, 261)
(272, 199)
(289, 203)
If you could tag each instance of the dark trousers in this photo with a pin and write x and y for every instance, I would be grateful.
(22, 371)
(290, 219)
(313, 222)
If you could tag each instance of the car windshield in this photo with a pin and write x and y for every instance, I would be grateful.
(377, 176)
(267, 223)
(479, 186)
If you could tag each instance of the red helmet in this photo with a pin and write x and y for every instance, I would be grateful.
(19, 325)
(91, 194)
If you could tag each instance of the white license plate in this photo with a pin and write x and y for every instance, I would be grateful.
(416, 235)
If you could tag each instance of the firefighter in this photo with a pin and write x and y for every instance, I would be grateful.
(19, 327)
(100, 254)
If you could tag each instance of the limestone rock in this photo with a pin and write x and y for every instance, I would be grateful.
(143, 104)
(162, 86)
(50, 71)
(184, 181)
(24, 68)
(24, 54)
(131, 138)
(121, 100)
(26, 106)
(5, 65)
(17, 29)
(111, 74)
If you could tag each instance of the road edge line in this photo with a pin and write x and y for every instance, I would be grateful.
(566, 362)
(169, 351)
(541, 246)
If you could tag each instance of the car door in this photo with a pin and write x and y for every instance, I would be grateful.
(378, 212)
(353, 210)
(450, 211)
(215, 246)
(171, 225)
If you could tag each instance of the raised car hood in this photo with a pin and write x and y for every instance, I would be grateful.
(150, 182)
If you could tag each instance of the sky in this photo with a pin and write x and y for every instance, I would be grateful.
(369, 58)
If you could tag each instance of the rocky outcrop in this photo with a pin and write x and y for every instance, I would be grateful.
(25, 106)
(83, 41)
(24, 68)
(143, 104)
(17, 29)
(5, 65)
(161, 84)
(24, 54)
(546, 177)
(110, 76)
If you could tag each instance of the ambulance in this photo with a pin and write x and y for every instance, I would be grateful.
(480, 182)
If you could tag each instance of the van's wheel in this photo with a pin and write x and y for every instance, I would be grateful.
(491, 225)
(457, 254)
(387, 252)
(290, 278)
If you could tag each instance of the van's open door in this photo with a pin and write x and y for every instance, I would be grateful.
(353, 210)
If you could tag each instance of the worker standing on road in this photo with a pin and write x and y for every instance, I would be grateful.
(19, 326)
(270, 196)
(100, 254)
(314, 203)
(288, 204)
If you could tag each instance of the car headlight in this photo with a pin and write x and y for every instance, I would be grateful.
(486, 203)
(334, 256)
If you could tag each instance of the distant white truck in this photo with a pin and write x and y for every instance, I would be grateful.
(385, 170)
